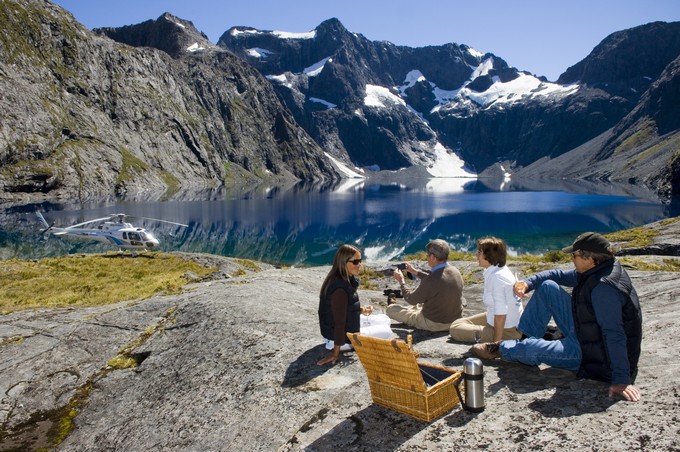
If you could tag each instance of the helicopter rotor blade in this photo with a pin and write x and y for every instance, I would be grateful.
(165, 221)
(43, 231)
(88, 222)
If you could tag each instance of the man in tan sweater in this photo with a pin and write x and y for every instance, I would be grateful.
(438, 299)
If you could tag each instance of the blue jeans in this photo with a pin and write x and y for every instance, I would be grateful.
(549, 300)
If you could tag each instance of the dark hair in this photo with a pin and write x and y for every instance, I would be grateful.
(494, 250)
(598, 258)
(339, 268)
(439, 249)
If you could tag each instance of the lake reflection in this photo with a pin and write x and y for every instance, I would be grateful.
(304, 226)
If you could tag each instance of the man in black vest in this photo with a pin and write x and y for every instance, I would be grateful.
(601, 320)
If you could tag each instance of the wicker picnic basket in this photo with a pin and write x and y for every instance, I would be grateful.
(397, 381)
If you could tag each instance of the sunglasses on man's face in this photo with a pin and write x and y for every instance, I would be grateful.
(355, 261)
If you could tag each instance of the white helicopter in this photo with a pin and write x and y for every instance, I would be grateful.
(112, 230)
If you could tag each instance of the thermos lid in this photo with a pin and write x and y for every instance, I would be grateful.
(473, 366)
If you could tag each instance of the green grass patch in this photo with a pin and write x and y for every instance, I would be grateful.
(171, 182)
(248, 264)
(92, 279)
(644, 134)
(633, 238)
(453, 256)
(126, 357)
(131, 167)
(666, 265)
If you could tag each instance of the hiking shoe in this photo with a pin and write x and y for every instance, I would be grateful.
(487, 350)
(552, 333)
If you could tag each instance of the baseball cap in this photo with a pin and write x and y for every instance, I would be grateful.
(589, 241)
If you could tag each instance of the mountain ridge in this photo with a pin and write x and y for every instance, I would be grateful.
(156, 108)
(86, 117)
(487, 112)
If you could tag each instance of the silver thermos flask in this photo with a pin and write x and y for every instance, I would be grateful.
(473, 375)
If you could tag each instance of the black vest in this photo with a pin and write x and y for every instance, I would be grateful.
(352, 322)
(595, 359)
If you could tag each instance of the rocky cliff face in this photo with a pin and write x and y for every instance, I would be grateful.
(641, 148)
(85, 117)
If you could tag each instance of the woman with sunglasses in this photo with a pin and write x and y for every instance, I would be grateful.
(339, 309)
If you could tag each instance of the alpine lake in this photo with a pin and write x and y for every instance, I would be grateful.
(303, 226)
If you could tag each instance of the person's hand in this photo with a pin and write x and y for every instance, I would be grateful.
(367, 310)
(399, 276)
(410, 268)
(332, 358)
(520, 288)
(628, 392)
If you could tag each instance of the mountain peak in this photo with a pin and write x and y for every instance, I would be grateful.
(623, 65)
(332, 25)
(168, 33)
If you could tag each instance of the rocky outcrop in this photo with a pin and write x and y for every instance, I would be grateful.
(85, 117)
(230, 365)
(176, 37)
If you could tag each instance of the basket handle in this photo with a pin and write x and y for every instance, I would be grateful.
(356, 339)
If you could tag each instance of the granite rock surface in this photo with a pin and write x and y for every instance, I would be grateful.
(230, 365)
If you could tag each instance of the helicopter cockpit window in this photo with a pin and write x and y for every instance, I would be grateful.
(125, 235)
(135, 240)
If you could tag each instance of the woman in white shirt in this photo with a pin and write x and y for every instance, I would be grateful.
(503, 309)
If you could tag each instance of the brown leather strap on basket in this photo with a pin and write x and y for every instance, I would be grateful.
(395, 344)
(356, 339)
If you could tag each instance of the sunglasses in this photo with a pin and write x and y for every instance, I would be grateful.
(355, 261)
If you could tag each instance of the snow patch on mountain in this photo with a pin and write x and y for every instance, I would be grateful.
(195, 48)
(290, 35)
(316, 68)
(475, 53)
(414, 76)
(516, 90)
(323, 102)
(344, 169)
(280, 78)
(483, 69)
(521, 88)
(447, 164)
(236, 32)
(257, 52)
(379, 96)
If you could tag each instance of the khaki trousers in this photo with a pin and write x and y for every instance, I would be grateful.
(413, 316)
(466, 329)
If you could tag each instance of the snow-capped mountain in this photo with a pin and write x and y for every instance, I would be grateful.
(88, 117)
(375, 105)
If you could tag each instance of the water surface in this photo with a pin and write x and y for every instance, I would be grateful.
(302, 226)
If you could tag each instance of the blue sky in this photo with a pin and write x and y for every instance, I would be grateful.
(542, 37)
